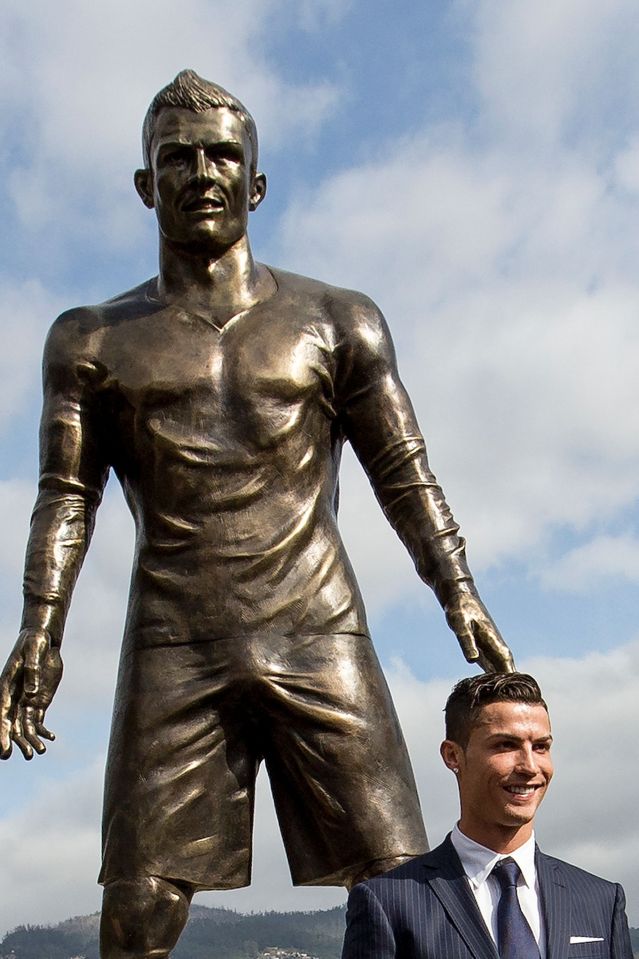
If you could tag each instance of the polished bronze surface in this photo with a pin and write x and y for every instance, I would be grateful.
(221, 393)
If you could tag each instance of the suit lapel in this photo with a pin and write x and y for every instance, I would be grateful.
(446, 878)
(555, 904)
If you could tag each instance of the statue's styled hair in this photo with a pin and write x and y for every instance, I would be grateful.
(192, 92)
(470, 695)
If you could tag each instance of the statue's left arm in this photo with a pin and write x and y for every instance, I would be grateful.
(379, 420)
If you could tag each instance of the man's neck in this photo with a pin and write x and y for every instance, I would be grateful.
(499, 839)
(216, 287)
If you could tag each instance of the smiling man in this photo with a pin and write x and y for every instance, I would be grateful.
(221, 393)
(488, 891)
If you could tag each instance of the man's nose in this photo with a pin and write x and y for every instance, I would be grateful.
(527, 760)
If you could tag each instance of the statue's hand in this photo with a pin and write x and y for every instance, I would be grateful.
(27, 685)
(478, 635)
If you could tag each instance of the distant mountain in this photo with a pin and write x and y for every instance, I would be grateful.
(209, 934)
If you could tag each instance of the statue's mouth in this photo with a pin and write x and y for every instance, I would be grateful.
(203, 204)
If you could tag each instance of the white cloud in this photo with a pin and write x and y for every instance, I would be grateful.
(26, 311)
(50, 853)
(542, 68)
(16, 502)
(626, 166)
(586, 566)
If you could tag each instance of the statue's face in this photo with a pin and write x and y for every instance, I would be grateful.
(200, 182)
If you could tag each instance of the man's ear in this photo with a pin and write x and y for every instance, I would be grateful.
(258, 191)
(143, 180)
(451, 753)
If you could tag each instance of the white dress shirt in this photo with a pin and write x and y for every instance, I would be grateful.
(478, 862)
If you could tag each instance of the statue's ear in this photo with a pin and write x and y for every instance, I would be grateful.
(143, 180)
(258, 191)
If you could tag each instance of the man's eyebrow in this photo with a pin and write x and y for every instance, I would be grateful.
(505, 734)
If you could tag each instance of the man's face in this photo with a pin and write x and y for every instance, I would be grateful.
(200, 182)
(503, 772)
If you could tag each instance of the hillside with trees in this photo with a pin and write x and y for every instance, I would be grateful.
(209, 934)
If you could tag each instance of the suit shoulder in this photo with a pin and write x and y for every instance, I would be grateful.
(410, 871)
(442, 857)
(576, 877)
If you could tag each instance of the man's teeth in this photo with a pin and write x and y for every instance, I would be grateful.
(521, 790)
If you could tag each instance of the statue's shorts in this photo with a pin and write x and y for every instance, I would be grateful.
(190, 727)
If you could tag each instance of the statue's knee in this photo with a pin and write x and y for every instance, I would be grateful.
(142, 918)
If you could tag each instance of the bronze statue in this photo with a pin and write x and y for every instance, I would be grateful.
(221, 393)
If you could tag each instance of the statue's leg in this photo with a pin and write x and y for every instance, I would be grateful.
(142, 918)
(337, 760)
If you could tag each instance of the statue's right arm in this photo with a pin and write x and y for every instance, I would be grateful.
(73, 472)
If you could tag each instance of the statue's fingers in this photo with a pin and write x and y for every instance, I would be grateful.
(468, 645)
(30, 731)
(41, 729)
(7, 710)
(20, 740)
(495, 656)
(487, 664)
(5, 738)
(508, 665)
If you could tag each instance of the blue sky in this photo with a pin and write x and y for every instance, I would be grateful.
(474, 167)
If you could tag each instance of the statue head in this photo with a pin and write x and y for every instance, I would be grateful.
(191, 92)
(200, 151)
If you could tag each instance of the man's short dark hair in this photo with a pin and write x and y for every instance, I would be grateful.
(470, 695)
(192, 92)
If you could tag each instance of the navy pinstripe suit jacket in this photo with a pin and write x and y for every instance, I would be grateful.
(425, 909)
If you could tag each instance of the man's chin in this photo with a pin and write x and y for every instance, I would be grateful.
(520, 815)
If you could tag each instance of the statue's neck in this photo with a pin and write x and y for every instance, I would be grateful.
(216, 287)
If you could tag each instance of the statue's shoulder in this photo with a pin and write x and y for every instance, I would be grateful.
(82, 327)
(125, 305)
(337, 303)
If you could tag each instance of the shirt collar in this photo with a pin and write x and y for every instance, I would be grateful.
(478, 861)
